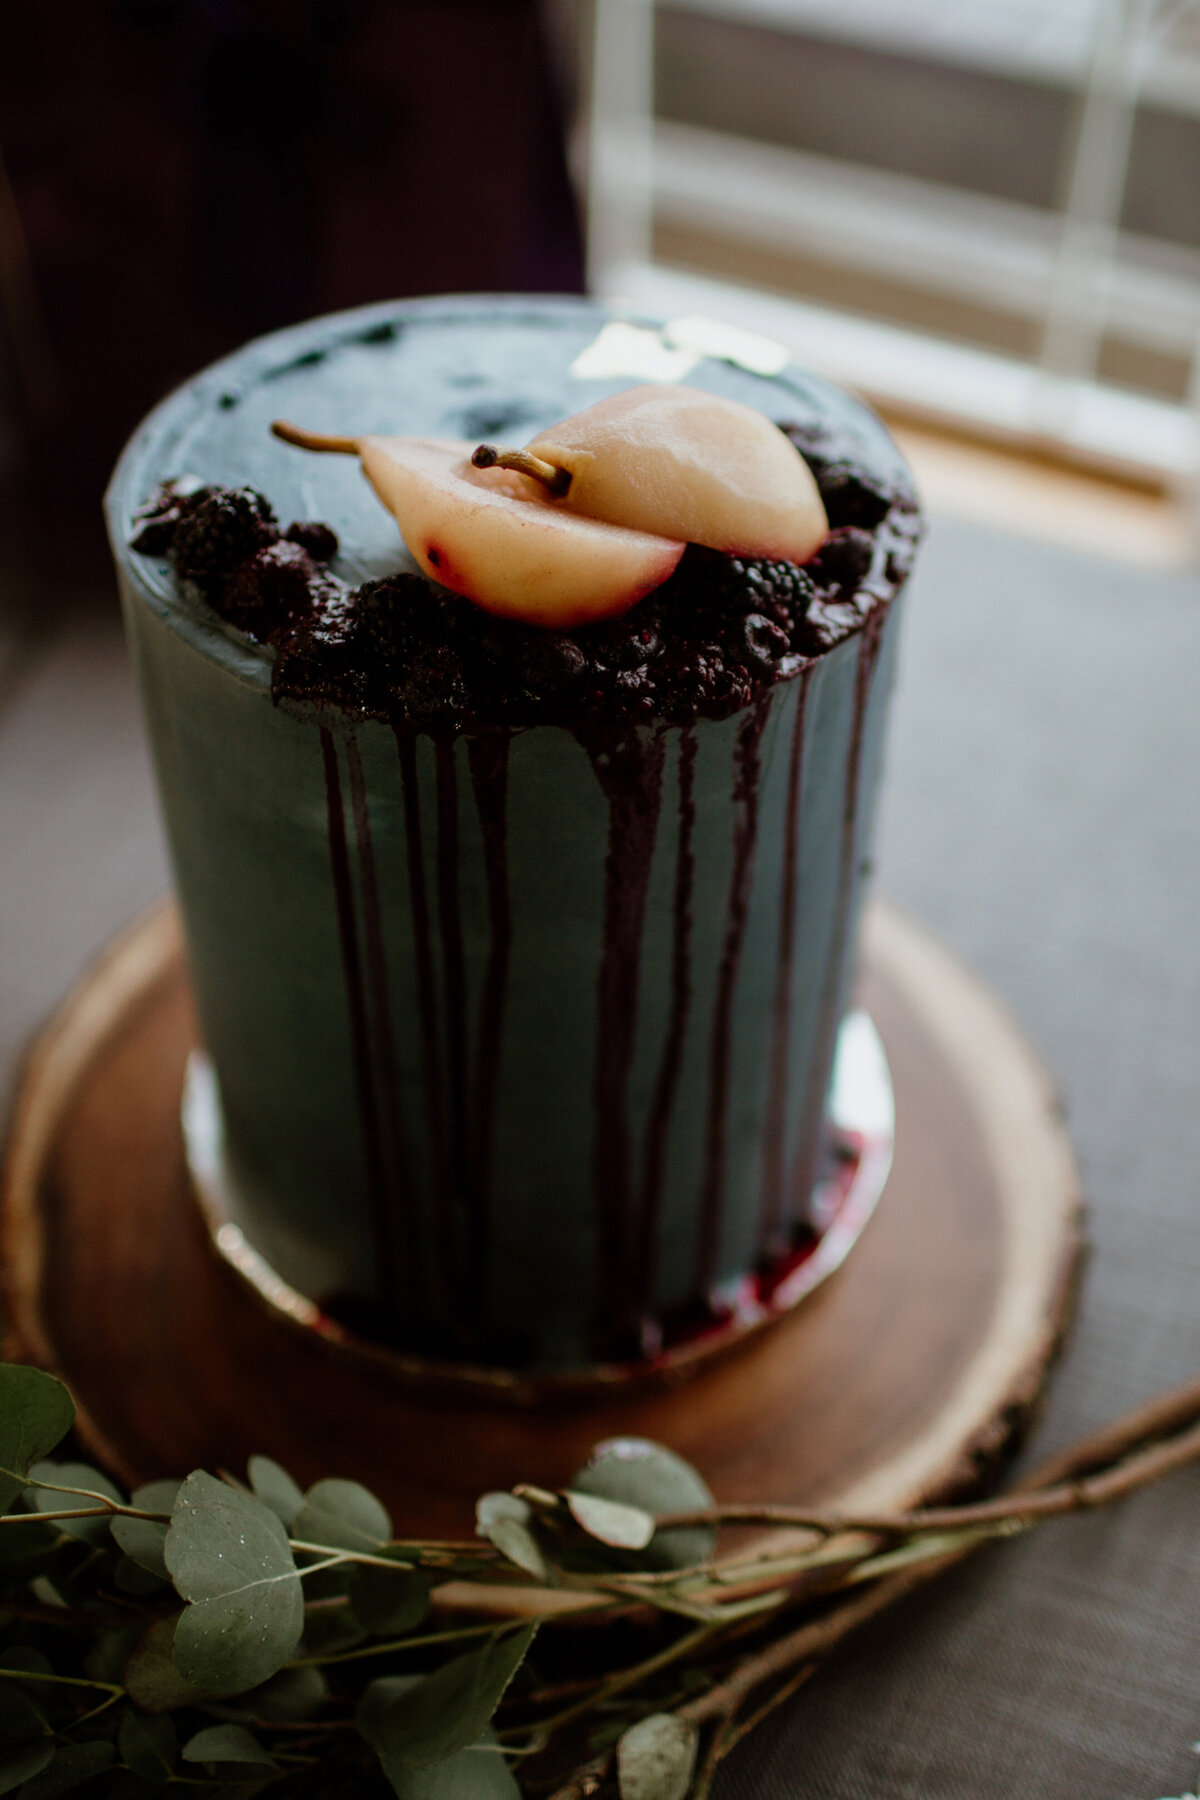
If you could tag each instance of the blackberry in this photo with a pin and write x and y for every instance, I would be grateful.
(229, 525)
(319, 540)
(318, 654)
(615, 646)
(433, 689)
(393, 613)
(268, 588)
(159, 518)
(697, 680)
(852, 497)
(635, 694)
(760, 642)
(549, 662)
(843, 560)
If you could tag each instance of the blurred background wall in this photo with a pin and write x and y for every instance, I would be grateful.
(984, 214)
(179, 175)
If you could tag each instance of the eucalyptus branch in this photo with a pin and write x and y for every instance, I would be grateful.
(418, 1641)
(106, 1687)
(104, 1502)
(760, 1620)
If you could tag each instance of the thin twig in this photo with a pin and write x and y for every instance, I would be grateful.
(717, 1744)
(622, 1682)
(1085, 1490)
(804, 1673)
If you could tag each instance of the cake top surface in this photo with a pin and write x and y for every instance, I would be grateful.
(483, 368)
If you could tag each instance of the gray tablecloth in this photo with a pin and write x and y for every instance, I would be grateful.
(1041, 814)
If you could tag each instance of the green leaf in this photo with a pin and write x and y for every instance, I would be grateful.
(148, 1746)
(27, 1659)
(74, 1475)
(655, 1758)
(411, 1723)
(501, 1505)
(20, 1720)
(387, 1602)
(343, 1515)
(26, 1547)
(228, 1555)
(639, 1472)
(292, 1694)
(504, 1519)
(479, 1772)
(611, 1521)
(19, 1765)
(143, 1539)
(130, 1578)
(36, 1412)
(329, 1632)
(107, 1655)
(226, 1744)
(151, 1677)
(518, 1544)
(275, 1487)
(70, 1766)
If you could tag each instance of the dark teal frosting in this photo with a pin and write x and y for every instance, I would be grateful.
(520, 1060)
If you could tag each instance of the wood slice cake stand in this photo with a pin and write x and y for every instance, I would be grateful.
(906, 1375)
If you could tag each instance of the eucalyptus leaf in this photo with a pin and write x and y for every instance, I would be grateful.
(70, 1766)
(26, 1659)
(276, 1487)
(327, 1632)
(220, 1744)
(73, 1475)
(479, 1772)
(18, 1765)
(148, 1746)
(411, 1724)
(611, 1521)
(228, 1555)
(130, 1578)
(655, 1758)
(639, 1472)
(21, 1720)
(343, 1515)
(26, 1547)
(143, 1539)
(389, 1602)
(501, 1505)
(292, 1694)
(36, 1412)
(107, 1655)
(515, 1541)
(151, 1677)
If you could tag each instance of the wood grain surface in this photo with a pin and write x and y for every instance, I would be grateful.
(907, 1374)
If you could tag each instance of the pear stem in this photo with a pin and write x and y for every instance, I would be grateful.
(554, 479)
(313, 440)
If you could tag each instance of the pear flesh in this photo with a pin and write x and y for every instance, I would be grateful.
(499, 539)
(680, 463)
